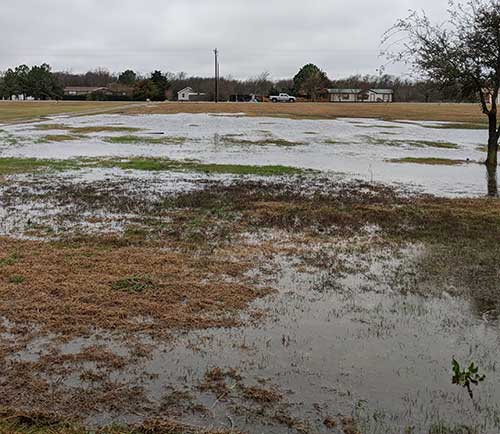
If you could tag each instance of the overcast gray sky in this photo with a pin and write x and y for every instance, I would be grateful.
(278, 36)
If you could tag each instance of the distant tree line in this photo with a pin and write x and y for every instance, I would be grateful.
(310, 83)
(37, 82)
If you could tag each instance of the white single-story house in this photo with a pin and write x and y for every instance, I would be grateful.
(361, 95)
(188, 94)
(83, 90)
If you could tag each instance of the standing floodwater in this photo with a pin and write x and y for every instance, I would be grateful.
(251, 274)
(427, 156)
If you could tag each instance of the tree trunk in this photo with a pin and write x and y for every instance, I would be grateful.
(492, 160)
(492, 181)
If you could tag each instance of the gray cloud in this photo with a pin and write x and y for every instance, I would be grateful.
(341, 36)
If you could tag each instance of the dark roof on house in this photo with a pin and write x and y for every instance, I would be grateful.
(356, 91)
(382, 91)
(83, 89)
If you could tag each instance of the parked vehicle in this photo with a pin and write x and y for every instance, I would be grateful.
(245, 98)
(282, 97)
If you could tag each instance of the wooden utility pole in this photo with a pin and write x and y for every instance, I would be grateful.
(216, 97)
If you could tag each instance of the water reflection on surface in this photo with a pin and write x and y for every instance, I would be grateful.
(352, 345)
(357, 148)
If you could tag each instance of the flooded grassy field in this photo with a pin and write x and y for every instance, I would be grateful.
(224, 273)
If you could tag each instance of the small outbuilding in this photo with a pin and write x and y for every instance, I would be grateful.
(188, 94)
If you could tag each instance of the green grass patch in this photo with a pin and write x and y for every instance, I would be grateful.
(130, 140)
(163, 164)
(428, 160)
(135, 284)
(9, 166)
(17, 280)
(9, 260)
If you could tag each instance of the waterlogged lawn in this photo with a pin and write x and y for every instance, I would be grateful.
(349, 282)
(268, 141)
(59, 138)
(381, 141)
(127, 140)
(10, 166)
(429, 160)
(353, 286)
(234, 143)
(150, 164)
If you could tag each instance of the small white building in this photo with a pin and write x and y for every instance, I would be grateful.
(361, 95)
(21, 97)
(188, 94)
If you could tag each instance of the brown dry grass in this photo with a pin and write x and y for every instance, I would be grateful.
(23, 110)
(12, 422)
(263, 396)
(466, 113)
(72, 288)
(189, 275)
(461, 113)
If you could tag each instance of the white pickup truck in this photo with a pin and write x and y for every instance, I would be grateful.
(282, 97)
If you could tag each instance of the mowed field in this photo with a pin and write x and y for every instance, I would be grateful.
(12, 111)
(463, 113)
(397, 111)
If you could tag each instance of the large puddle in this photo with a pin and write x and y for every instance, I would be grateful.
(361, 344)
(332, 347)
(355, 148)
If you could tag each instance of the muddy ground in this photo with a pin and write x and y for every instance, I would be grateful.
(204, 297)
